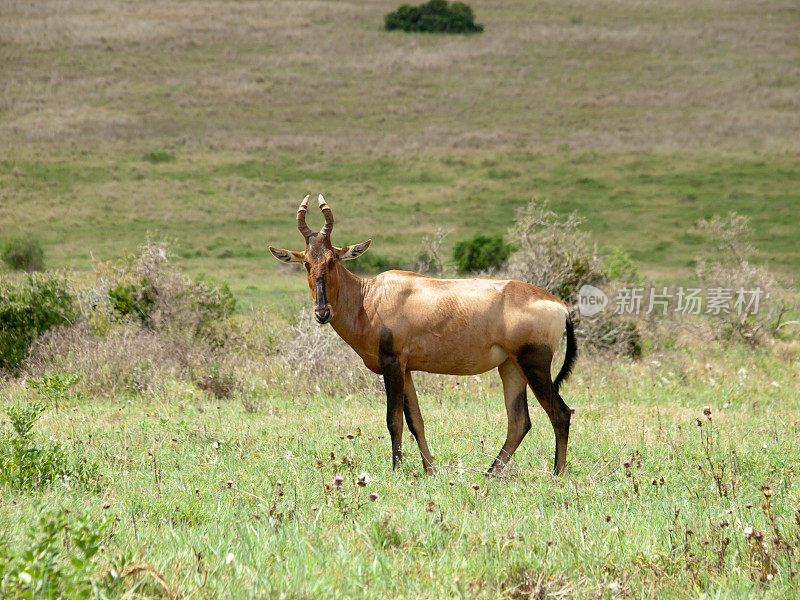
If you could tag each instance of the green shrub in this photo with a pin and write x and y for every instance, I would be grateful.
(619, 265)
(28, 308)
(133, 299)
(158, 156)
(61, 556)
(149, 290)
(23, 254)
(54, 388)
(28, 465)
(480, 253)
(211, 298)
(435, 16)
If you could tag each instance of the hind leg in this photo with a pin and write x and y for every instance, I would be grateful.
(534, 362)
(415, 424)
(519, 421)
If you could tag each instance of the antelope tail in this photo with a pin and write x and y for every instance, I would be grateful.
(569, 357)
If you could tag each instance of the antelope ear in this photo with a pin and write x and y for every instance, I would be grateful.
(287, 256)
(354, 251)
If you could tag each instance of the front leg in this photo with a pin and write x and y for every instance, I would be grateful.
(393, 378)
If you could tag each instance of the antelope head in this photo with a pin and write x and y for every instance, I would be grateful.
(320, 259)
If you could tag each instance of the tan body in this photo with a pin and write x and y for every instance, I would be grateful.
(400, 322)
(447, 326)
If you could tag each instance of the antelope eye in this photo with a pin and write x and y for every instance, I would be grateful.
(307, 264)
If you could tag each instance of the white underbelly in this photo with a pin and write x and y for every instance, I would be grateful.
(497, 356)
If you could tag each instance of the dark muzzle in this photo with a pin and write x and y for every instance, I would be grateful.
(321, 311)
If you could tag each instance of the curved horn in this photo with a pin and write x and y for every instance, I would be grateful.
(326, 210)
(301, 218)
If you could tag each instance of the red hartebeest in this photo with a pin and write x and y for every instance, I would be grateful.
(399, 322)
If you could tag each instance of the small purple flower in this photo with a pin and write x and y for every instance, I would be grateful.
(373, 496)
(140, 387)
(338, 479)
(571, 409)
(626, 464)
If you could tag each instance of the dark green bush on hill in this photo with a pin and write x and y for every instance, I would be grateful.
(373, 262)
(29, 308)
(435, 16)
(480, 253)
(23, 254)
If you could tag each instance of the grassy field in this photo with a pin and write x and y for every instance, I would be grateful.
(642, 116)
(205, 122)
(321, 76)
(235, 499)
(221, 211)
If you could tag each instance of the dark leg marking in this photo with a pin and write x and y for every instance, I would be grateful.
(535, 360)
(393, 380)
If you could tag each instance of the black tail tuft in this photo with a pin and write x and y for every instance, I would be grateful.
(569, 357)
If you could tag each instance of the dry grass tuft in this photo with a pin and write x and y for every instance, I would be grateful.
(732, 270)
(311, 352)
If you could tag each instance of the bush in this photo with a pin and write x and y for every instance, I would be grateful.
(435, 16)
(148, 329)
(127, 359)
(158, 156)
(23, 254)
(28, 309)
(557, 255)
(429, 260)
(310, 352)
(54, 388)
(149, 290)
(372, 263)
(619, 265)
(553, 254)
(731, 270)
(133, 299)
(481, 253)
(63, 555)
(28, 465)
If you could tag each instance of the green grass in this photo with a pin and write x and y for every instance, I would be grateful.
(206, 123)
(166, 460)
(221, 211)
(313, 76)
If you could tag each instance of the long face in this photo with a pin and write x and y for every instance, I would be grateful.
(320, 259)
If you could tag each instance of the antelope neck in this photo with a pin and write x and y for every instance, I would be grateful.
(349, 302)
